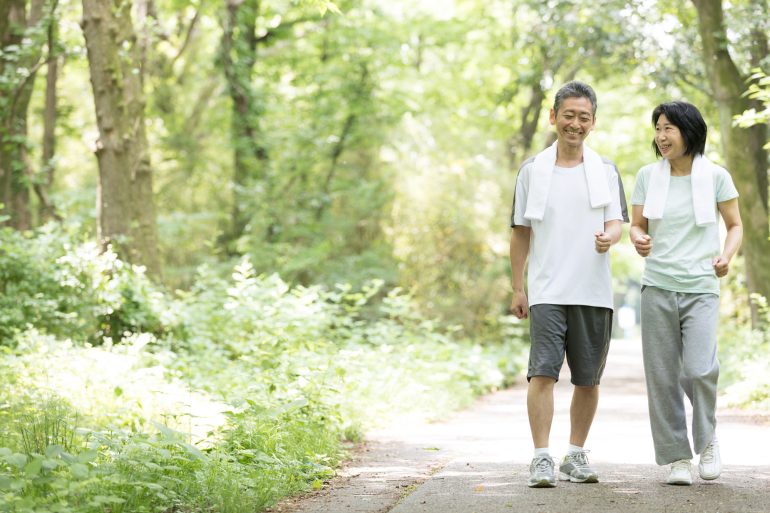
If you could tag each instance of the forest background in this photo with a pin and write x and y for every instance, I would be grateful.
(238, 234)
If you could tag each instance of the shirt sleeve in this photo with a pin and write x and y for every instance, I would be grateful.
(616, 210)
(520, 198)
(640, 188)
(725, 188)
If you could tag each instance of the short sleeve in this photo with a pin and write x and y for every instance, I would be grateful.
(640, 187)
(615, 211)
(520, 197)
(724, 186)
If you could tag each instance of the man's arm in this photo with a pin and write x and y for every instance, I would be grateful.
(732, 218)
(638, 234)
(519, 251)
(610, 236)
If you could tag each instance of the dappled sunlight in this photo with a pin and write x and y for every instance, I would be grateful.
(118, 386)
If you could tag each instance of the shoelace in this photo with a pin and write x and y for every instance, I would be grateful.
(544, 464)
(580, 459)
(681, 465)
(707, 456)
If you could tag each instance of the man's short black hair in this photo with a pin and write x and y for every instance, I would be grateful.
(687, 118)
(574, 89)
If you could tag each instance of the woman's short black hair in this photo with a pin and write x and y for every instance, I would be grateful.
(687, 118)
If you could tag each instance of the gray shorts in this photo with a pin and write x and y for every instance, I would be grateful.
(581, 332)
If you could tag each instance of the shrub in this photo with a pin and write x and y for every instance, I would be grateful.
(72, 289)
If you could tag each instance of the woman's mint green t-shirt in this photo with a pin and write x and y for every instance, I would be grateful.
(682, 252)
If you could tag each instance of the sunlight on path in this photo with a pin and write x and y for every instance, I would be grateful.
(496, 429)
(477, 461)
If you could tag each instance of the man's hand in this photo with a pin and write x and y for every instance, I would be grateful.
(643, 245)
(721, 266)
(519, 304)
(603, 242)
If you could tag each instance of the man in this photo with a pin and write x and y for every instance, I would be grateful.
(567, 211)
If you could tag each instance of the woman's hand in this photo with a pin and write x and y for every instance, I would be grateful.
(643, 245)
(721, 266)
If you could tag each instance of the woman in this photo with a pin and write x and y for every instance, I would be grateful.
(674, 225)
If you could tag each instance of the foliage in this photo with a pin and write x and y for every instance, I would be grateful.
(249, 395)
(744, 354)
(68, 288)
(759, 89)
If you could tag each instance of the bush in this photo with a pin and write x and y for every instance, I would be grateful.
(744, 355)
(296, 371)
(72, 289)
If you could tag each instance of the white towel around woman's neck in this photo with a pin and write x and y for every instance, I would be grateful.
(540, 181)
(702, 182)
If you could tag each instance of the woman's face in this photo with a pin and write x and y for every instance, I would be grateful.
(669, 139)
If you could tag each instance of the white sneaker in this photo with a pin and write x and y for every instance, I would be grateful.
(710, 464)
(680, 473)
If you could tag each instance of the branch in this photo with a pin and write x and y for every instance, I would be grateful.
(283, 27)
(188, 36)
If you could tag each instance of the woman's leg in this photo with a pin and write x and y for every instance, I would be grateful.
(662, 351)
(700, 367)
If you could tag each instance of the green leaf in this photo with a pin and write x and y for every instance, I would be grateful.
(53, 451)
(50, 463)
(79, 470)
(17, 460)
(193, 451)
(33, 468)
(87, 456)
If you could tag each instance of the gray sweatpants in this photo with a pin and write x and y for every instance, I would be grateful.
(679, 345)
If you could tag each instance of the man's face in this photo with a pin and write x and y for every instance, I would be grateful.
(574, 121)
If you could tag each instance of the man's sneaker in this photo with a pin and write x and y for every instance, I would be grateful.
(680, 473)
(541, 473)
(710, 464)
(574, 467)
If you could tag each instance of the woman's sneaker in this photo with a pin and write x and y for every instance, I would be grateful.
(710, 464)
(541, 473)
(680, 473)
(574, 467)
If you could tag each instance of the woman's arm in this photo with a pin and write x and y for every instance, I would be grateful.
(732, 218)
(638, 233)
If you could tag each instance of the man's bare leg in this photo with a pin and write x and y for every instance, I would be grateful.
(582, 411)
(540, 409)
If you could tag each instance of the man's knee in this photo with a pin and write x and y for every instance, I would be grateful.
(541, 382)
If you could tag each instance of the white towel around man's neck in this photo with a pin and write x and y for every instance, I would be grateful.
(702, 182)
(540, 181)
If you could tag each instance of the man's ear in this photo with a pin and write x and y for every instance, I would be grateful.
(552, 117)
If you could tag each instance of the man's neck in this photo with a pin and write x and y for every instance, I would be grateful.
(568, 155)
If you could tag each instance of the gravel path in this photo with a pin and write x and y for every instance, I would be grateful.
(477, 461)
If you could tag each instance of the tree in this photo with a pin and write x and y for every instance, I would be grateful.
(743, 146)
(43, 184)
(125, 204)
(19, 61)
(239, 55)
(553, 43)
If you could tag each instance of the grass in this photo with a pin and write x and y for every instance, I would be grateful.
(249, 399)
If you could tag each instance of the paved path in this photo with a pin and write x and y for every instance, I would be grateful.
(477, 461)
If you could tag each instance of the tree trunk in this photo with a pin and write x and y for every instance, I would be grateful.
(743, 147)
(239, 55)
(45, 182)
(14, 104)
(125, 206)
(520, 143)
